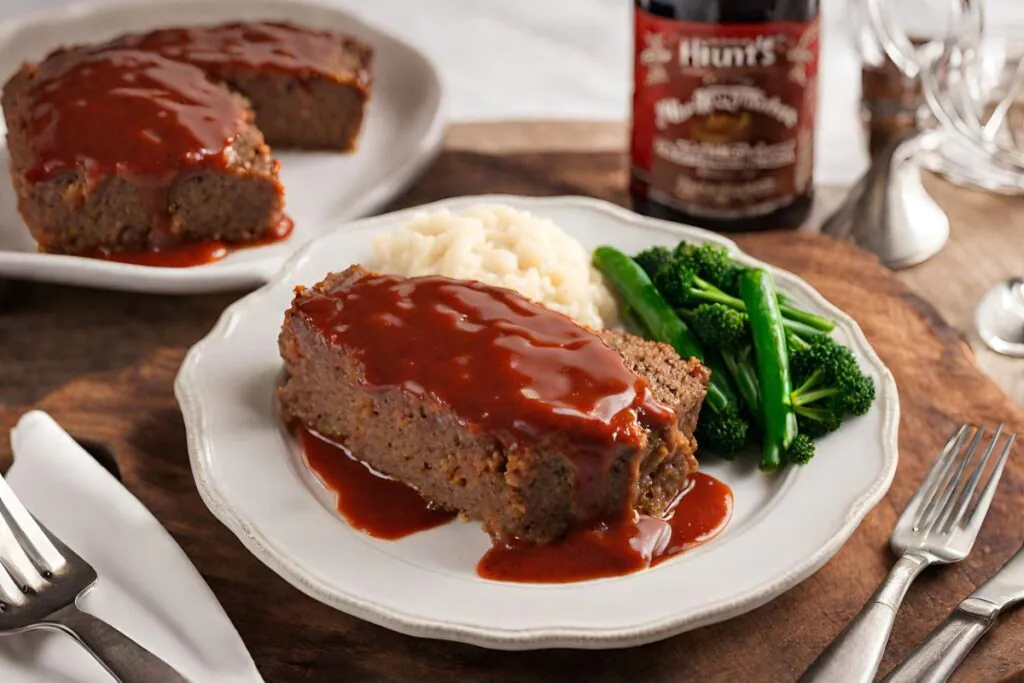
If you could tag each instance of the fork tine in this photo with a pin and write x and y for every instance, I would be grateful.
(10, 591)
(937, 487)
(956, 513)
(946, 500)
(22, 543)
(924, 497)
(977, 514)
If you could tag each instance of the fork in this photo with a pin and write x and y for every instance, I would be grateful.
(41, 580)
(938, 526)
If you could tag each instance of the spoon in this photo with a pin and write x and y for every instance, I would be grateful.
(999, 318)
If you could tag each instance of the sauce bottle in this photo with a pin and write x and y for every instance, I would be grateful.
(724, 101)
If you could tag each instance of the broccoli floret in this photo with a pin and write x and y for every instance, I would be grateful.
(681, 285)
(712, 263)
(652, 259)
(719, 326)
(800, 450)
(724, 433)
(817, 422)
(829, 384)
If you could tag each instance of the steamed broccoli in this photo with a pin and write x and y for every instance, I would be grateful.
(652, 259)
(722, 432)
(719, 326)
(829, 384)
(679, 282)
(711, 263)
(800, 450)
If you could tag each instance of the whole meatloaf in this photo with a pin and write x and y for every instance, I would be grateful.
(533, 476)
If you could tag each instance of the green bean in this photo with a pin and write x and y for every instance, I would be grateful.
(758, 292)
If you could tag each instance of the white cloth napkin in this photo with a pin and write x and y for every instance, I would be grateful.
(148, 588)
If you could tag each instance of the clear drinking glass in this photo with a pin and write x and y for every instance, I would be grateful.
(958, 60)
(970, 71)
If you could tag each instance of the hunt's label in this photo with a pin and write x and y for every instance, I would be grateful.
(723, 114)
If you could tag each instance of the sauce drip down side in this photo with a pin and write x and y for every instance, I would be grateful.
(499, 361)
(381, 507)
(192, 254)
(616, 547)
(388, 509)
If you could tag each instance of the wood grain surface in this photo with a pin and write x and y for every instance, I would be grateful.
(102, 364)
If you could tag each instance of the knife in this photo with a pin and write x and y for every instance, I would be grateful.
(938, 656)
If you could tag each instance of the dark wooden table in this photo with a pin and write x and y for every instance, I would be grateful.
(102, 364)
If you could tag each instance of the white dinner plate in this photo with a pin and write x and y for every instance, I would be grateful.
(783, 527)
(402, 133)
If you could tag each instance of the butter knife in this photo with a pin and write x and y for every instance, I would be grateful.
(938, 656)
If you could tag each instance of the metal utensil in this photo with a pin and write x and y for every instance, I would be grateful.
(1000, 318)
(41, 580)
(935, 659)
(938, 526)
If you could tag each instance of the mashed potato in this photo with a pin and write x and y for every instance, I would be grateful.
(501, 246)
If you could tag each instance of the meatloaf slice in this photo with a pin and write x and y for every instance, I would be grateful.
(121, 150)
(522, 492)
(308, 88)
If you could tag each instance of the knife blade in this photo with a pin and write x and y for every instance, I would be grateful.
(937, 656)
(1004, 589)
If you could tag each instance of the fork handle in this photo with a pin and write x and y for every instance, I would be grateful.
(935, 659)
(122, 657)
(854, 656)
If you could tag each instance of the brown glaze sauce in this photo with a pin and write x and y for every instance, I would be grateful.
(522, 372)
(388, 509)
(264, 46)
(192, 254)
(129, 113)
(616, 547)
(144, 108)
(378, 506)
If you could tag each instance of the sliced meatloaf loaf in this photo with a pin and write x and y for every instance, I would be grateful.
(121, 150)
(308, 88)
(522, 477)
(157, 140)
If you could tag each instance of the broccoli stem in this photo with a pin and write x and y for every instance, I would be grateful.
(808, 392)
(819, 414)
(744, 376)
(796, 343)
(815, 322)
(800, 329)
(800, 323)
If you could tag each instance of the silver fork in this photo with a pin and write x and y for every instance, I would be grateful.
(41, 580)
(938, 526)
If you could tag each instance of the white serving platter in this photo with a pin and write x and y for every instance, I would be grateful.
(783, 528)
(402, 133)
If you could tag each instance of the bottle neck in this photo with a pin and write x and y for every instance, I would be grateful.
(731, 11)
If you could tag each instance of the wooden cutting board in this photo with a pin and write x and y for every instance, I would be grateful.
(102, 363)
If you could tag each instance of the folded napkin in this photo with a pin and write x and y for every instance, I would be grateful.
(148, 588)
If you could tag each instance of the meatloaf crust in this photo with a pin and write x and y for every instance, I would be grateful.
(308, 88)
(528, 493)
